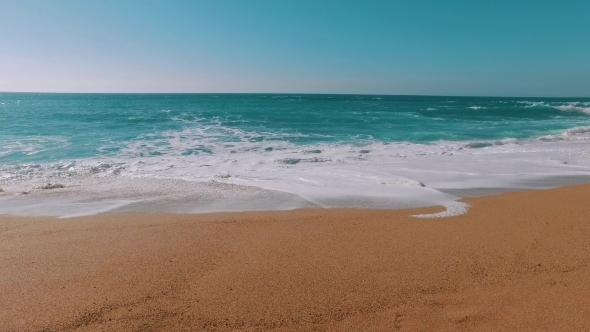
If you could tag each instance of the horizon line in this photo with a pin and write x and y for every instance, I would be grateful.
(289, 93)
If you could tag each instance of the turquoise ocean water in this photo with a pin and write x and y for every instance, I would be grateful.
(233, 152)
(46, 128)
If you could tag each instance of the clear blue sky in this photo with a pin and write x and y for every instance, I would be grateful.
(509, 48)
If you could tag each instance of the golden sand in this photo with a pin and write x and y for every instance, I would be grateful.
(516, 261)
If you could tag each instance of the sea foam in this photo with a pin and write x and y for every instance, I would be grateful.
(400, 175)
(206, 152)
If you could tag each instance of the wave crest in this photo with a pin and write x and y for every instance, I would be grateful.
(573, 107)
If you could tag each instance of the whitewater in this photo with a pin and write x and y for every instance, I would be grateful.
(72, 155)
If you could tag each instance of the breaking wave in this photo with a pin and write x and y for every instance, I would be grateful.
(583, 107)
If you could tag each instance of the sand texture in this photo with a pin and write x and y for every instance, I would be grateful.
(516, 261)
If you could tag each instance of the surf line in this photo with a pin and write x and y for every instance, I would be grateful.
(452, 209)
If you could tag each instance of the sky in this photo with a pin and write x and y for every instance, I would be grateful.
(483, 48)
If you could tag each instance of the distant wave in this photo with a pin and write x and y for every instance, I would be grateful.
(564, 107)
(573, 107)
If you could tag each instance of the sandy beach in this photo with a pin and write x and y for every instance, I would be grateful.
(516, 261)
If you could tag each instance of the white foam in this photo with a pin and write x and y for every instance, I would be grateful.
(583, 107)
(374, 175)
(576, 131)
(32, 145)
(573, 107)
(573, 134)
(531, 104)
(451, 209)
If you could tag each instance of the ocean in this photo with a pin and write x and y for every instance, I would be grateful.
(305, 149)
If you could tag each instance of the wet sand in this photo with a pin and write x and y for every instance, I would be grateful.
(516, 261)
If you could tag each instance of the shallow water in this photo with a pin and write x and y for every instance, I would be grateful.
(309, 150)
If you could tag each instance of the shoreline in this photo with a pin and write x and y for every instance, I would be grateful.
(289, 176)
(515, 261)
(125, 195)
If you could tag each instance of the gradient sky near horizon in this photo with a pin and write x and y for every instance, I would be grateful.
(501, 48)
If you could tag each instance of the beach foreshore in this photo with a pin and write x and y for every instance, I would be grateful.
(515, 261)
